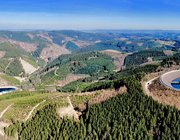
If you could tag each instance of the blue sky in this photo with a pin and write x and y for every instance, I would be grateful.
(90, 14)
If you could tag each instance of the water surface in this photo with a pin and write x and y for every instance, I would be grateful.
(7, 90)
(176, 83)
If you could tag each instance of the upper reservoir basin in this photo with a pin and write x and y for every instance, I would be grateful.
(176, 83)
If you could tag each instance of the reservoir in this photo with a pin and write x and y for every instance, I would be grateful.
(176, 83)
(5, 90)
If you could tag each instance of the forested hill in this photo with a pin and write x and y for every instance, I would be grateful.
(143, 57)
(84, 63)
(132, 115)
(49, 45)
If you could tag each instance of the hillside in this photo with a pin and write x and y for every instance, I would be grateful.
(48, 45)
(11, 57)
(88, 85)
(141, 57)
(92, 64)
(131, 115)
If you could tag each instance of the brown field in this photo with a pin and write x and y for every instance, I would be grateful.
(70, 78)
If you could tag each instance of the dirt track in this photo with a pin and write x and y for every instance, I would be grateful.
(146, 86)
(30, 113)
(3, 124)
(68, 111)
(4, 111)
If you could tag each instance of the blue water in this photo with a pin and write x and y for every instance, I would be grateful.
(6, 90)
(176, 85)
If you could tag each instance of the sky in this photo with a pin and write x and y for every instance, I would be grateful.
(90, 14)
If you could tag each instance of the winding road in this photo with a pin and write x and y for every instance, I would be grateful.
(55, 72)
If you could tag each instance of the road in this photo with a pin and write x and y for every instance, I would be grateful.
(55, 72)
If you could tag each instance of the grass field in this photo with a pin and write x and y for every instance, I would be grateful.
(22, 102)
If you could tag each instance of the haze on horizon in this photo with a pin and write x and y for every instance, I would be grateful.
(94, 14)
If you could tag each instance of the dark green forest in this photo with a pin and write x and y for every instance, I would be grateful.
(132, 115)
(109, 81)
(142, 57)
(71, 46)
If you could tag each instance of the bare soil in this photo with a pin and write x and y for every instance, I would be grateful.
(106, 95)
(68, 111)
(164, 95)
(28, 68)
(28, 47)
(53, 51)
(70, 78)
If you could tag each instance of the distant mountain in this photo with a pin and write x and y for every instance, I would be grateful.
(48, 45)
